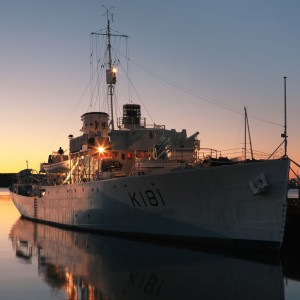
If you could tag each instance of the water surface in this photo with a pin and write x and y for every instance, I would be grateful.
(44, 262)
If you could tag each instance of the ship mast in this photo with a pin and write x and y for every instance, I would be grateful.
(249, 136)
(284, 135)
(111, 71)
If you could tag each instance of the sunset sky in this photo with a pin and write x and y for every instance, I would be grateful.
(195, 64)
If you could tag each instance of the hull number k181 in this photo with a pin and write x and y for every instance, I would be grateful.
(146, 198)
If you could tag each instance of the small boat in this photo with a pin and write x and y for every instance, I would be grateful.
(146, 180)
(58, 162)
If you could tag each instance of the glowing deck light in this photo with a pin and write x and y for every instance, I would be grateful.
(101, 149)
(114, 70)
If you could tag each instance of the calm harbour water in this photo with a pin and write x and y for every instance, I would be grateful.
(44, 262)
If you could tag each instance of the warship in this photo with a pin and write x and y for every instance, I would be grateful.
(150, 181)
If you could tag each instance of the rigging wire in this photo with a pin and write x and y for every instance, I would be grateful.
(71, 113)
(128, 72)
(136, 92)
(177, 86)
(203, 98)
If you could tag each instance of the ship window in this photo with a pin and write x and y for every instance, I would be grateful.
(123, 156)
(129, 155)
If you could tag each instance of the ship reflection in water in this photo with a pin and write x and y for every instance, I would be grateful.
(99, 267)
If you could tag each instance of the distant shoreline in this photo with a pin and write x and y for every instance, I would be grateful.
(4, 193)
(6, 179)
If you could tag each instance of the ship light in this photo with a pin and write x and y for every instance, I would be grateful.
(114, 70)
(101, 149)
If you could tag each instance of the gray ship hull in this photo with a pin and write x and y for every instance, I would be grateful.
(222, 203)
